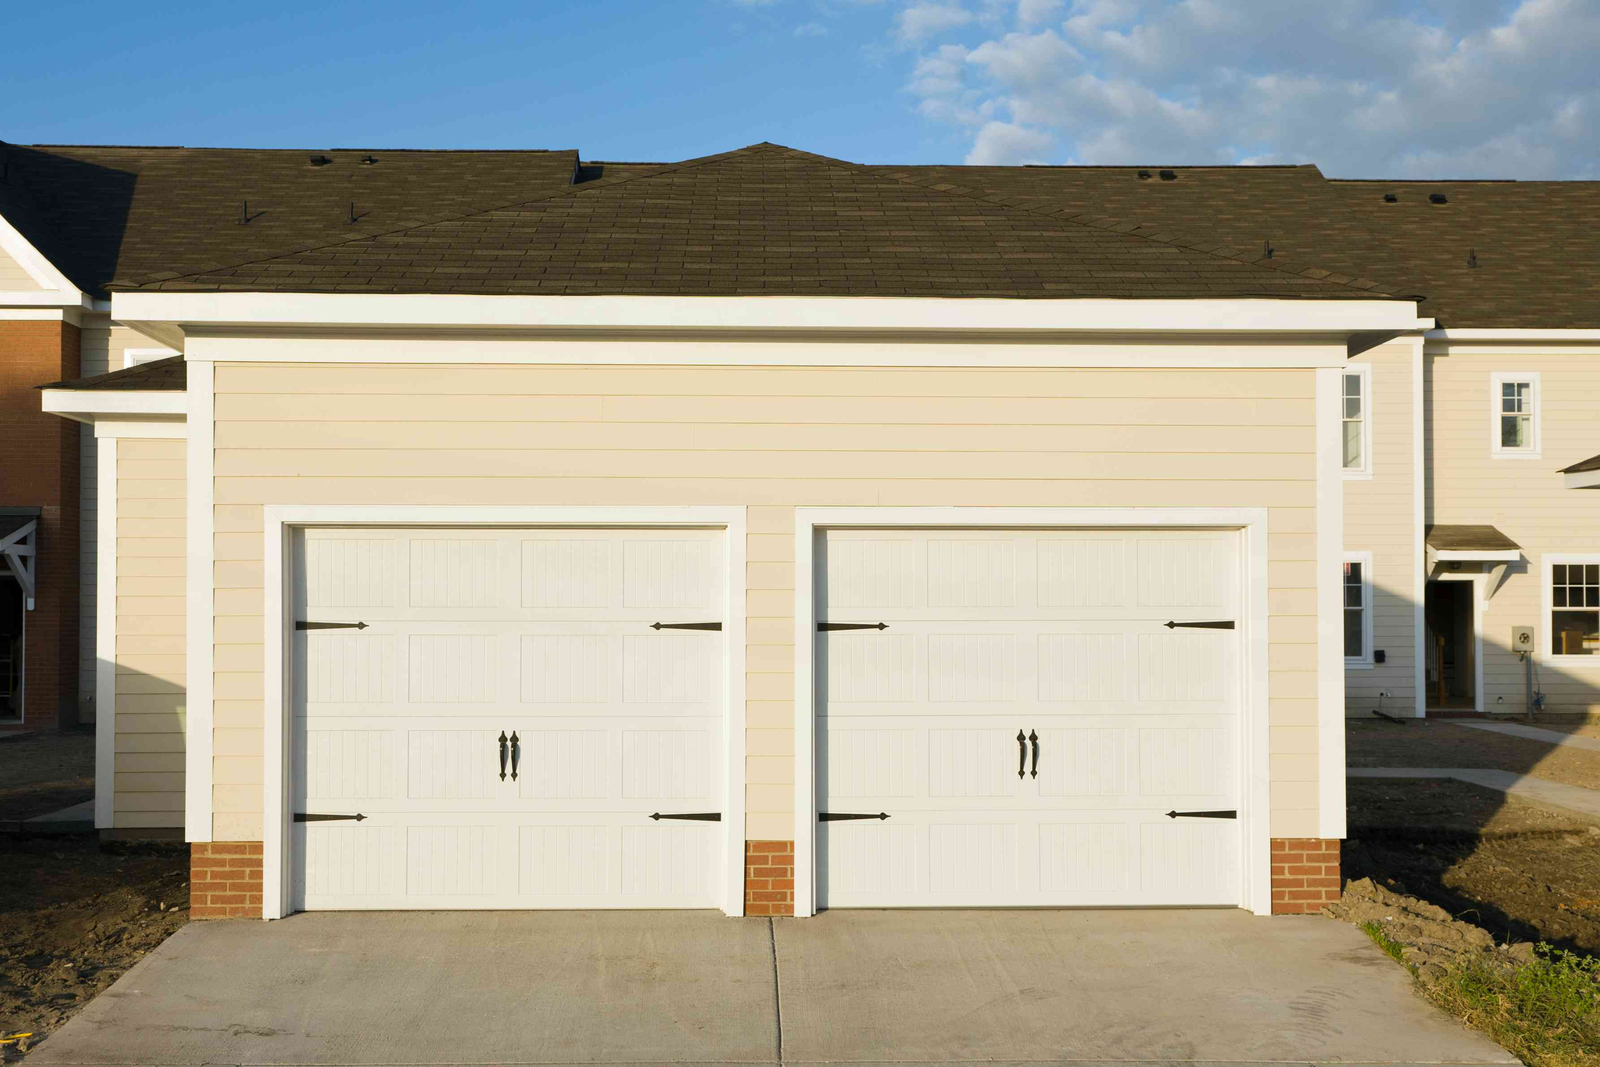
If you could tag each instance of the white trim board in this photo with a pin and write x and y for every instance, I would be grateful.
(1419, 525)
(200, 578)
(58, 287)
(612, 313)
(1330, 607)
(1255, 818)
(279, 520)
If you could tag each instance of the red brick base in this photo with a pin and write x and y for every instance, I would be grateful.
(1305, 874)
(769, 877)
(225, 880)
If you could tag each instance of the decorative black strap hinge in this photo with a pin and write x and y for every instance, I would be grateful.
(691, 816)
(1202, 814)
(303, 816)
(848, 816)
(825, 626)
(1225, 624)
(303, 625)
(686, 626)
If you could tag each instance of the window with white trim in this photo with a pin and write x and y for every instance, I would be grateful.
(1575, 607)
(1358, 608)
(1514, 414)
(1356, 426)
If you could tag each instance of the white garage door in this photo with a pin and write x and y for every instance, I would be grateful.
(507, 718)
(1034, 707)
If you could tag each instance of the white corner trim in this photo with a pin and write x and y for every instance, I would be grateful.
(233, 310)
(1419, 526)
(279, 522)
(1330, 609)
(41, 270)
(1255, 796)
(105, 637)
(1503, 377)
(201, 578)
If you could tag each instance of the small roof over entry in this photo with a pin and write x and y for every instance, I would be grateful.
(1471, 544)
(1582, 475)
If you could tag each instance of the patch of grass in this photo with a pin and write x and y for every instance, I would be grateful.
(1546, 1012)
(1388, 944)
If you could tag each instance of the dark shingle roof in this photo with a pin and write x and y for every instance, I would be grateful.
(770, 220)
(105, 212)
(1582, 466)
(156, 376)
(1537, 255)
(1469, 539)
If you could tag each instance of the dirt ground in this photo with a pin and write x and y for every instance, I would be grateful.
(1440, 743)
(1518, 871)
(74, 915)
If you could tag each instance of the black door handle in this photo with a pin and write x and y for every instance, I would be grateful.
(502, 755)
(1033, 736)
(516, 754)
(1022, 754)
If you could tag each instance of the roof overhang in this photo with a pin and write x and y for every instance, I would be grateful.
(97, 406)
(1272, 326)
(1584, 474)
(1566, 342)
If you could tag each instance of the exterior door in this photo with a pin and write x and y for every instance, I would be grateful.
(507, 717)
(1021, 727)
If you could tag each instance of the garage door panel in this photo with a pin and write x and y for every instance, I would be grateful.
(475, 635)
(1061, 637)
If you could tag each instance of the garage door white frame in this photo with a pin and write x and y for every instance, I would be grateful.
(281, 520)
(1251, 523)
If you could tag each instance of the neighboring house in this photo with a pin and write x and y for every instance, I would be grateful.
(768, 532)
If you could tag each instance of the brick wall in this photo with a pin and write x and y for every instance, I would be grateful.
(769, 877)
(39, 467)
(225, 880)
(1305, 874)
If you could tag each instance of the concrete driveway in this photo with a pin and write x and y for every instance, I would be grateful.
(846, 987)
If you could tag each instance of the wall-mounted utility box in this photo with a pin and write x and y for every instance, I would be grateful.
(1522, 639)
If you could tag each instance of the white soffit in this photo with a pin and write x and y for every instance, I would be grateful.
(84, 405)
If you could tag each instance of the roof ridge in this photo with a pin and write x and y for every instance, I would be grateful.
(571, 190)
(1129, 227)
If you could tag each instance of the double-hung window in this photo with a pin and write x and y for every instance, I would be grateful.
(1356, 428)
(1358, 609)
(1514, 414)
(1574, 605)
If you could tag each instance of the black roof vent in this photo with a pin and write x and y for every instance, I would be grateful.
(1144, 175)
(367, 161)
(320, 160)
(1438, 198)
(1391, 198)
(1169, 175)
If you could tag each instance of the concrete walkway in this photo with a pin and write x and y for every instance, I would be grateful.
(1533, 733)
(1567, 798)
(996, 987)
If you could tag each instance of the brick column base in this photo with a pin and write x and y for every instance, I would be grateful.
(769, 877)
(225, 880)
(1305, 874)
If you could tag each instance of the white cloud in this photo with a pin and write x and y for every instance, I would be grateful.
(919, 22)
(1001, 143)
(1437, 88)
(811, 29)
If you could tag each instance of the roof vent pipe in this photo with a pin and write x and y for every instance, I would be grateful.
(1472, 258)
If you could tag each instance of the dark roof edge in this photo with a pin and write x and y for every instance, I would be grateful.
(159, 375)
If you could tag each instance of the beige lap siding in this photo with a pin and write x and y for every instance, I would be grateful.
(150, 634)
(1526, 500)
(1380, 517)
(771, 439)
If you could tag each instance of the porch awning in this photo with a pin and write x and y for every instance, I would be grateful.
(1471, 544)
(1582, 475)
(19, 530)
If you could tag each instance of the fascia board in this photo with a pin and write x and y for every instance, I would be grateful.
(88, 402)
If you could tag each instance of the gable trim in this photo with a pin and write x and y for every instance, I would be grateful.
(58, 289)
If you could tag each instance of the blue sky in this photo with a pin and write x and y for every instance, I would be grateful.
(1365, 88)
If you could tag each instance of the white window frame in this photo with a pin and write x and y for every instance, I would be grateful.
(1364, 470)
(1545, 643)
(1364, 660)
(1497, 379)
